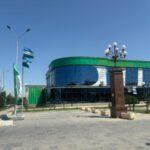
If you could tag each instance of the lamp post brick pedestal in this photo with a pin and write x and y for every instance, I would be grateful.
(117, 92)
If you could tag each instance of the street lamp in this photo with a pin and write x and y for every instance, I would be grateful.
(116, 79)
(18, 37)
(113, 52)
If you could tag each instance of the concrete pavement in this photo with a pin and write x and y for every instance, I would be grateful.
(76, 130)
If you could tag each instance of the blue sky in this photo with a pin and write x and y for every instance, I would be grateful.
(71, 28)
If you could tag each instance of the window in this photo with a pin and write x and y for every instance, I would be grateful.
(131, 76)
(146, 76)
(74, 75)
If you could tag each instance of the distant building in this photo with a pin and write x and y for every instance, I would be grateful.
(35, 95)
(87, 78)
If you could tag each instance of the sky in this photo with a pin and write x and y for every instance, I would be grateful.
(61, 28)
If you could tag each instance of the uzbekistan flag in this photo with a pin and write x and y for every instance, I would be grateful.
(28, 53)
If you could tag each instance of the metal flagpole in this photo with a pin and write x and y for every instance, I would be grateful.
(22, 86)
(17, 64)
(15, 94)
(17, 52)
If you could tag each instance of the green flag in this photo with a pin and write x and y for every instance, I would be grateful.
(17, 83)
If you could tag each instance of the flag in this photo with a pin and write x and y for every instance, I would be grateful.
(17, 83)
(9, 27)
(26, 63)
(28, 53)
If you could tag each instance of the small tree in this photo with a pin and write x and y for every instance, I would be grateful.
(2, 99)
(131, 101)
(25, 103)
(10, 99)
(147, 101)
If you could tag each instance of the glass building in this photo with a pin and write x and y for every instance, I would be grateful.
(87, 79)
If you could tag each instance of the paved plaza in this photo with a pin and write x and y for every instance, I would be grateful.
(75, 130)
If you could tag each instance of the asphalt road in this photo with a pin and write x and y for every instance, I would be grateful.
(75, 130)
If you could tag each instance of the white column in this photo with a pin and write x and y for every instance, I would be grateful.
(140, 77)
(101, 76)
(124, 77)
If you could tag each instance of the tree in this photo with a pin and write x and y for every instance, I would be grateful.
(147, 104)
(25, 103)
(131, 101)
(10, 99)
(2, 99)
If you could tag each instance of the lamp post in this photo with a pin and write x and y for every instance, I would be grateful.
(18, 37)
(116, 79)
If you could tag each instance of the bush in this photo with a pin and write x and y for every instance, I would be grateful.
(25, 103)
(147, 100)
(10, 99)
(2, 99)
(131, 100)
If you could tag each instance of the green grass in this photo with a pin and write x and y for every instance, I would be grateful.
(101, 107)
(142, 111)
(1, 109)
(42, 110)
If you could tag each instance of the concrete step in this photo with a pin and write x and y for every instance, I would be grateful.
(4, 123)
(128, 115)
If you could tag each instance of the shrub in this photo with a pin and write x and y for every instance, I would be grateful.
(2, 99)
(131, 100)
(10, 99)
(147, 99)
(25, 103)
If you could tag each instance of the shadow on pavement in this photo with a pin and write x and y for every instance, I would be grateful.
(91, 116)
(4, 117)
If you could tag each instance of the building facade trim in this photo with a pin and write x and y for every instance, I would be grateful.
(96, 61)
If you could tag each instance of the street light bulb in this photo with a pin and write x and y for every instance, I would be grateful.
(115, 43)
(123, 46)
(109, 46)
(125, 52)
(116, 49)
(107, 51)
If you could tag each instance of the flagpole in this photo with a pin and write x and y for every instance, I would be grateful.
(17, 64)
(22, 86)
(15, 93)
(27, 55)
(17, 51)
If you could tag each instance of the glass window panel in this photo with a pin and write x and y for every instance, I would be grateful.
(146, 76)
(74, 75)
(108, 76)
(131, 76)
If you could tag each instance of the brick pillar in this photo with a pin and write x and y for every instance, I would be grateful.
(117, 92)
